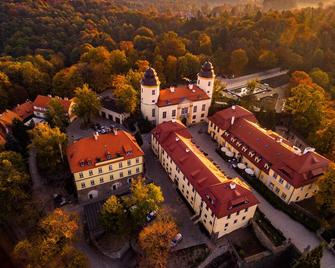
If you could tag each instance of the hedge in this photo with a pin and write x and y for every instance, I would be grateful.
(298, 215)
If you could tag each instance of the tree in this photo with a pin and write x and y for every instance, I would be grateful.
(52, 246)
(252, 85)
(268, 59)
(188, 66)
(5, 84)
(113, 217)
(325, 197)
(50, 144)
(171, 44)
(86, 104)
(56, 115)
(238, 61)
(66, 80)
(20, 133)
(142, 200)
(118, 62)
(320, 77)
(155, 242)
(311, 259)
(171, 69)
(14, 185)
(125, 95)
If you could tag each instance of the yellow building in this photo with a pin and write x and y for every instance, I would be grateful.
(285, 169)
(104, 164)
(220, 204)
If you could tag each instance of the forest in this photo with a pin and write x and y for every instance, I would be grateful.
(52, 47)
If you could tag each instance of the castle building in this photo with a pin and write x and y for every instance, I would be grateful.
(220, 204)
(105, 164)
(188, 103)
(286, 170)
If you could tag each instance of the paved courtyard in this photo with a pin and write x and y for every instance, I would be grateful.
(298, 234)
(173, 201)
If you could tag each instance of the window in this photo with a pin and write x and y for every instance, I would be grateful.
(129, 180)
(203, 108)
(306, 195)
(226, 225)
(173, 112)
(137, 170)
(90, 172)
(277, 190)
(153, 92)
(194, 116)
(184, 111)
(243, 218)
(237, 213)
(275, 175)
(81, 175)
(271, 185)
(228, 216)
(235, 221)
(297, 198)
(198, 81)
(187, 192)
(110, 167)
(137, 160)
(83, 185)
(164, 114)
(281, 180)
(92, 182)
(206, 216)
(129, 172)
(202, 115)
(210, 222)
(111, 177)
(195, 109)
(209, 83)
(287, 186)
(101, 180)
(283, 196)
(121, 174)
(153, 113)
(246, 210)
(120, 165)
(129, 162)
(100, 170)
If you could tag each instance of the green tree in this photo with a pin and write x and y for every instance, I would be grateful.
(142, 200)
(50, 144)
(155, 242)
(5, 84)
(320, 77)
(14, 185)
(171, 44)
(66, 80)
(238, 61)
(188, 66)
(311, 259)
(125, 95)
(171, 69)
(252, 85)
(113, 216)
(325, 197)
(267, 59)
(118, 62)
(56, 115)
(86, 104)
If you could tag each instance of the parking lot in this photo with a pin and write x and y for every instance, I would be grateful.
(192, 235)
(99, 124)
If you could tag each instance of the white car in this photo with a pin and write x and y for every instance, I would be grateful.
(176, 240)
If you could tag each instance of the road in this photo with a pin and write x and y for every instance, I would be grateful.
(243, 80)
(299, 235)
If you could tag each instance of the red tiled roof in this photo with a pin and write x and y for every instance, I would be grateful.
(96, 150)
(180, 94)
(43, 102)
(209, 182)
(270, 148)
(24, 110)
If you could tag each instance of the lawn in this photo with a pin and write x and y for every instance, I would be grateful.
(188, 257)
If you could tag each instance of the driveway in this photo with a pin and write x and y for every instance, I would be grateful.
(298, 234)
(173, 202)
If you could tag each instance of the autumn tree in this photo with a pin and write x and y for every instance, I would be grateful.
(188, 66)
(170, 69)
(5, 84)
(125, 95)
(268, 59)
(52, 245)
(238, 61)
(325, 197)
(171, 44)
(50, 144)
(56, 115)
(14, 185)
(113, 216)
(155, 242)
(142, 200)
(67, 80)
(311, 259)
(320, 77)
(86, 104)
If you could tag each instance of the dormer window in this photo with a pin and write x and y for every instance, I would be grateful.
(89, 162)
(108, 156)
(82, 163)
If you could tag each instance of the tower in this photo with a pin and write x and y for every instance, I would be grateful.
(149, 94)
(206, 78)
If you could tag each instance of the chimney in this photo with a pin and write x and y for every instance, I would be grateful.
(233, 107)
(232, 186)
(232, 120)
(187, 150)
(190, 86)
(172, 89)
(115, 131)
(96, 135)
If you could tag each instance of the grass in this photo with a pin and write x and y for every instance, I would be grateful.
(189, 257)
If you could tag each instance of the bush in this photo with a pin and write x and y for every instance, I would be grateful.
(298, 215)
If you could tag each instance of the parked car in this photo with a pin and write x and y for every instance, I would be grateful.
(176, 240)
(151, 216)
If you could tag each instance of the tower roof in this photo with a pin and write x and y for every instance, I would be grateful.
(150, 78)
(207, 70)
